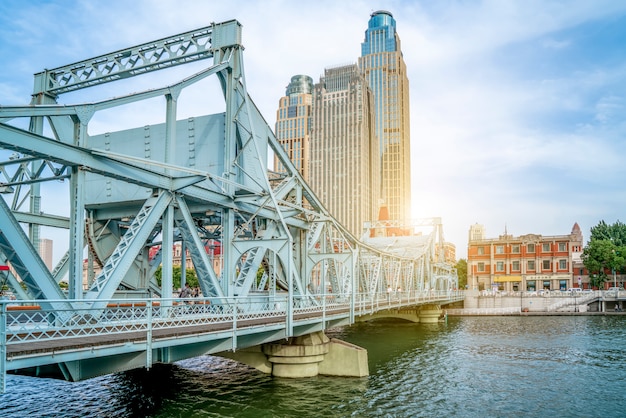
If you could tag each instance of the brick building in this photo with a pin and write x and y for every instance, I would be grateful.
(524, 263)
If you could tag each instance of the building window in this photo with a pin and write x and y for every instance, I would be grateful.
(481, 250)
(562, 247)
(481, 267)
(499, 249)
(515, 248)
(562, 264)
(530, 286)
(545, 247)
(500, 266)
(531, 265)
(546, 265)
(515, 265)
(530, 248)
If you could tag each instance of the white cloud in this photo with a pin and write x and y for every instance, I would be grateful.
(502, 132)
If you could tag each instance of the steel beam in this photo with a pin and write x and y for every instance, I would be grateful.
(141, 59)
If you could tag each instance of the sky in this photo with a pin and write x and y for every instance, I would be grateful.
(517, 107)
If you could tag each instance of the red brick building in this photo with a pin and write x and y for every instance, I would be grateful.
(524, 263)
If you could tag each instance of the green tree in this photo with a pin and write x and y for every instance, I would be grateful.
(461, 271)
(605, 252)
(190, 276)
(615, 233)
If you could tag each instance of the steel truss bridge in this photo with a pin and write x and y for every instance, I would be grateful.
(284, 266)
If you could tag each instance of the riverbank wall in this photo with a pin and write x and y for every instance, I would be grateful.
(531, 303)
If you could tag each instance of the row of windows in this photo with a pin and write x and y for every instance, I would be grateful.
(530, 265)
(546, 247)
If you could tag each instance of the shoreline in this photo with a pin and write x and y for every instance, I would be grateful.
(540, 314)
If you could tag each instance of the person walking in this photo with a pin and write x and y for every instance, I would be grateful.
(185, 292)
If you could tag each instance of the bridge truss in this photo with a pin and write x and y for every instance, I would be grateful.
(201, 182)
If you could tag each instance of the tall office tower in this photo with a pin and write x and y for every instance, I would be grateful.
(45, 251)
(293, 123)
(383, 66)
(344, 164)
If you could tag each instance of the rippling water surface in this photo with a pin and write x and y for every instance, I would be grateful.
(570, 366)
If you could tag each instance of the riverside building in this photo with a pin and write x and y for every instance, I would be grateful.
(524, 263)
(382, 64)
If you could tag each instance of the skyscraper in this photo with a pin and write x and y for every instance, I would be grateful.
(45, 251)
(293, 123)
(383, 66)
(344, 160)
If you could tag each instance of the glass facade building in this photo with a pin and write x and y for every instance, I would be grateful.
(382, 64)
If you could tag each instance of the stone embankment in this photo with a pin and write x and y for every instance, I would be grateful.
(541, 303)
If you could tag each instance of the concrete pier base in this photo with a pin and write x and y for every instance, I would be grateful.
(429, 314)
(305, 356)
(344, 359)
(298, 356)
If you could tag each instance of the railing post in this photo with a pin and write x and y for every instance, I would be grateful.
(324, 295)
(352, 304)
(289, 330)
(234, 345)
(149, 335)
(3, 346)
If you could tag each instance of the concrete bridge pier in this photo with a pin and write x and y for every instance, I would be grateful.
(298, 356)
(429, 314)
(305, 356)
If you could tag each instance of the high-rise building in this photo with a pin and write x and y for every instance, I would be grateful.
(344, 170)
(383, 66)
(45, 252)
(293, 123)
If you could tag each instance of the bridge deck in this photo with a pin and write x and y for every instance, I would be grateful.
(35, 337)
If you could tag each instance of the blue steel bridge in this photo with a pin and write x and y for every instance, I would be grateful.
(287, 270)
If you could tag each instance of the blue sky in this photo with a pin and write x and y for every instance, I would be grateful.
(517, 107)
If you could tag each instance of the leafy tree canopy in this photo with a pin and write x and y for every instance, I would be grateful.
(190, 276)
(606, 251)
(461, 271)
(615, 233)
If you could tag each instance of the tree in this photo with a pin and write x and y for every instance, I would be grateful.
(615, 233)
(190, 276)
(605, 252)
(461, 271)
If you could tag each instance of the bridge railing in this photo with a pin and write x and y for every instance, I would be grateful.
(23, 321)
(367, 304)
(28, 321)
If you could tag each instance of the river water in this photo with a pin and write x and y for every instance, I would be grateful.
(530, 366)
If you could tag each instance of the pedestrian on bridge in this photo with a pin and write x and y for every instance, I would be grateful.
(185, 292)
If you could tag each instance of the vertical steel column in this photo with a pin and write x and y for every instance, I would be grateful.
(3, 347)
(228, 81)
(167, 281)
(167, 226)
(77, 210)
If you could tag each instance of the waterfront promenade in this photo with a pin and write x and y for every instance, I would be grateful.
(598, 302)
